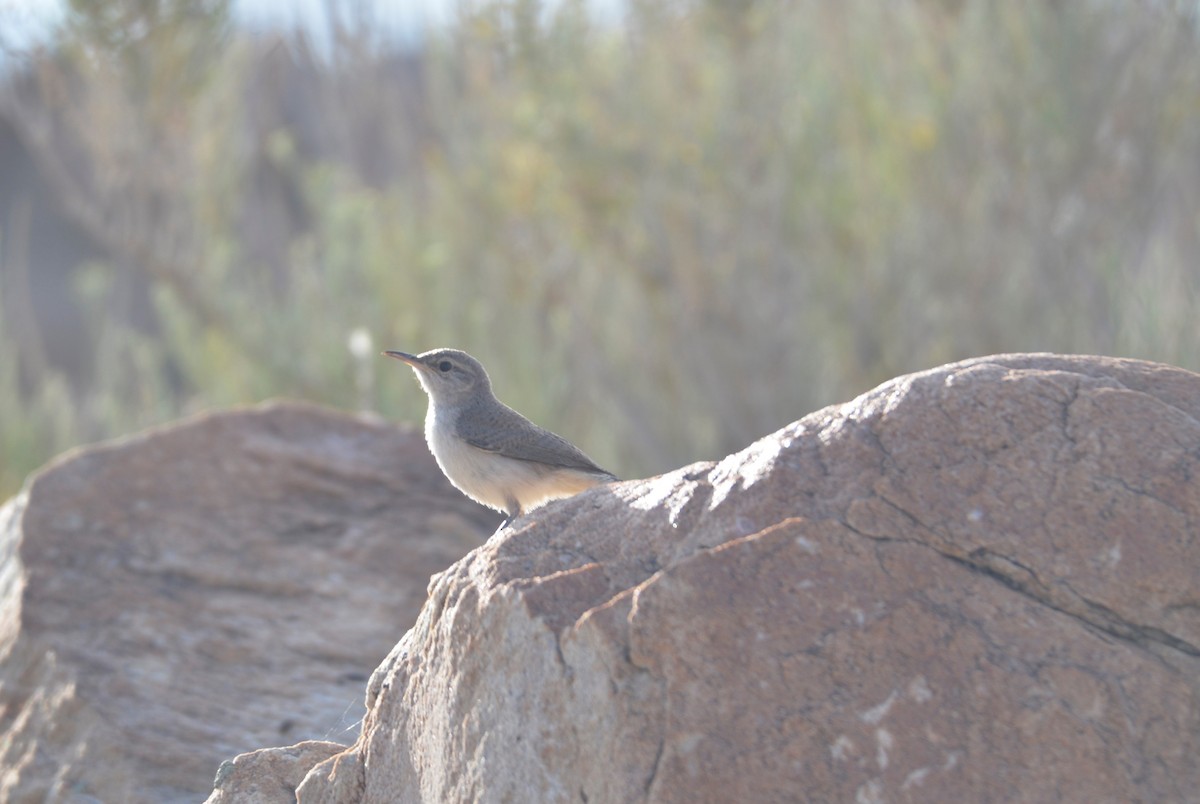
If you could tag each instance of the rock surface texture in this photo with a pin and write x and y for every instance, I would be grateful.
(978, 583)
(174, 599)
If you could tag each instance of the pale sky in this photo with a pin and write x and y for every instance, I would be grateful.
(25, 22)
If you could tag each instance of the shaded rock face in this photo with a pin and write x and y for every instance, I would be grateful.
(174, 599)
(978, 583)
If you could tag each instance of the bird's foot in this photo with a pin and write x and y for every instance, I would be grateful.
(508, 520)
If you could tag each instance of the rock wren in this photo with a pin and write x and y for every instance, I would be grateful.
(488, 451)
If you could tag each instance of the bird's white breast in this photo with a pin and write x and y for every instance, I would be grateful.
(471, 470)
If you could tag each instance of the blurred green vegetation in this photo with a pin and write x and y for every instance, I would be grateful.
(664, 239)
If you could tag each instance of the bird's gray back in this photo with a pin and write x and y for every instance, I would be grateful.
(497, 428)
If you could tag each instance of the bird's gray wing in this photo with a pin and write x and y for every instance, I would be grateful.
(508, 433)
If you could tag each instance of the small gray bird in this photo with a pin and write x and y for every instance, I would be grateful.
(488, 451)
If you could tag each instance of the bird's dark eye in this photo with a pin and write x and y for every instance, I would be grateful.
(445, 365)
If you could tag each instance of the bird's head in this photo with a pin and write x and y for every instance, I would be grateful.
(449, 376)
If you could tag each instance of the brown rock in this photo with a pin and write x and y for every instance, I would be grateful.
(978, 583)
(174, 599)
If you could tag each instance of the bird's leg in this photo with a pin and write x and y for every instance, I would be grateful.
(513, 508)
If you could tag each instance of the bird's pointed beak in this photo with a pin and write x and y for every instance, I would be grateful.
(404, 356)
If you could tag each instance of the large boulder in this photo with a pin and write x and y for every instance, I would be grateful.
(174, 599)
(980, 582)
